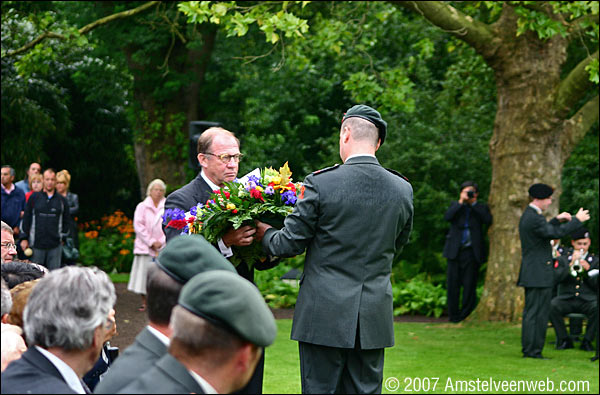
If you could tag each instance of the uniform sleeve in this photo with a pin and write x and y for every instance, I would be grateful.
(298, 228)
(404, 235)
(553, 230)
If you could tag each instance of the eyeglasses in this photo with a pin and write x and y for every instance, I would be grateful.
(227, 158)
(9, 245)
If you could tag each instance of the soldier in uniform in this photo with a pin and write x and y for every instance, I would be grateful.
(576, 291)
(182, 258)
(351, 220)
(537, 270)
(220, 325)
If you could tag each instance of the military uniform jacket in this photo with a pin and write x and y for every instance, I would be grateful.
(137, 359)
(168, 376)
(581, 286)
(536, 251)
(351, 219)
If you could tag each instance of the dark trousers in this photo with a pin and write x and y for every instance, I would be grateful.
(462, 272)
(332, 370)
(50, 258)
(562, 307)
(255, 384)
(535, 320)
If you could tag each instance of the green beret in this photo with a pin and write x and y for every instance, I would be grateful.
(229, 301)
(187, 255)
(540, 191)
(371, 115)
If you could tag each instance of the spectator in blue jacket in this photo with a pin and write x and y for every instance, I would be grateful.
(13, 199)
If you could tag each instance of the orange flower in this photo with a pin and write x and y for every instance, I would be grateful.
(92, 234)
(124, 252)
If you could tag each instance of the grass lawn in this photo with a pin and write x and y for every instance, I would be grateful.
(444, 358)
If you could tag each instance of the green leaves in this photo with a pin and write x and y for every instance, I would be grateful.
(237, 18)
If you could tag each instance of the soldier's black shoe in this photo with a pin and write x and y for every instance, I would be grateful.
(586, 346)
(564, 345)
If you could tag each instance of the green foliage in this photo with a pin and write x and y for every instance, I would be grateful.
(108, 243)
(277, 293)
(419, 296)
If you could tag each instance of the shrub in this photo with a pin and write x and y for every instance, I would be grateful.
(108, 243)
(277, 293)
(419, 296)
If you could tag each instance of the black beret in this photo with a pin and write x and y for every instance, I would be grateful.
(540, 191)
(371, 115)
(581, 233)
(187, 255)
(229, 301)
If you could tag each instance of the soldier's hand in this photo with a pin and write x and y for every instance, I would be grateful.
(261, 228)
(563, 216)
(582, 215)
(239, 237)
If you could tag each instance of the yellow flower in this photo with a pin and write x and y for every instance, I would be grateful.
(259, 188)
(230, 206)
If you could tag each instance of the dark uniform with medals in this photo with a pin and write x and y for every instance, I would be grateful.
(537, 269)
(351, 219)
(576, 294)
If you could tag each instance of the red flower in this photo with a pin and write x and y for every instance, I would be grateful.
(235, 211)
(177, 223)
(292, 186)
(191, 220)
(256, 194)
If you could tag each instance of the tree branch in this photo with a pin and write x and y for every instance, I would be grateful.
(574, 86)
(578, 125)
(577, 26)
(475, 33)
(84, 30)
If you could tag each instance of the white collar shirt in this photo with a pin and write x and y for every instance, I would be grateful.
(65, 370)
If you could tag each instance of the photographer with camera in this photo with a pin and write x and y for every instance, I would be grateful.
(577, 275)
(465, 249)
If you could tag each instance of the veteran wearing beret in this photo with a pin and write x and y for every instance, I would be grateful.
(537, 271)
(220, 325)
(351, 219)
(181, 259)
(577, 289)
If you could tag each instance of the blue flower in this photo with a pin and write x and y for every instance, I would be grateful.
(269, 190)
(185, 230)
(289, 198)
(194, 210)
(173, 213)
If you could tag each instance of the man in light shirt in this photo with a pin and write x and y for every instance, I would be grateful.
(181, 259)
(65, 321)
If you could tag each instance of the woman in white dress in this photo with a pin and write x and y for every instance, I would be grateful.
(149, 236)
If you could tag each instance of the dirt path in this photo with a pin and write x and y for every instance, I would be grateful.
(130, 321)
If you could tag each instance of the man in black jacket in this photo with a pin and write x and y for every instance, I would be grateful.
(465, 249)
(46, 223)
(219, 155)
(577, 288)
(537, 271)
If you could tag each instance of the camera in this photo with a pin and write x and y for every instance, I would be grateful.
(471, 194)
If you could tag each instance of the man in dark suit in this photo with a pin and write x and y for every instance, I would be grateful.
(220, 325)
(219, 156)
(576, 291)
(537, 271)
(351, 219)
(65, 322)
(465, 249)
(179, 261)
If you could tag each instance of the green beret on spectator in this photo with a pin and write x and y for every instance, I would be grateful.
(371, 115)
(187, 255)
(540, 191)
(229, 301)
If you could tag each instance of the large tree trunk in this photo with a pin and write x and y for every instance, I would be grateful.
(173, 117)
(524, 149)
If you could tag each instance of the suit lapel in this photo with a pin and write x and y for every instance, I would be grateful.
(36, 358)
